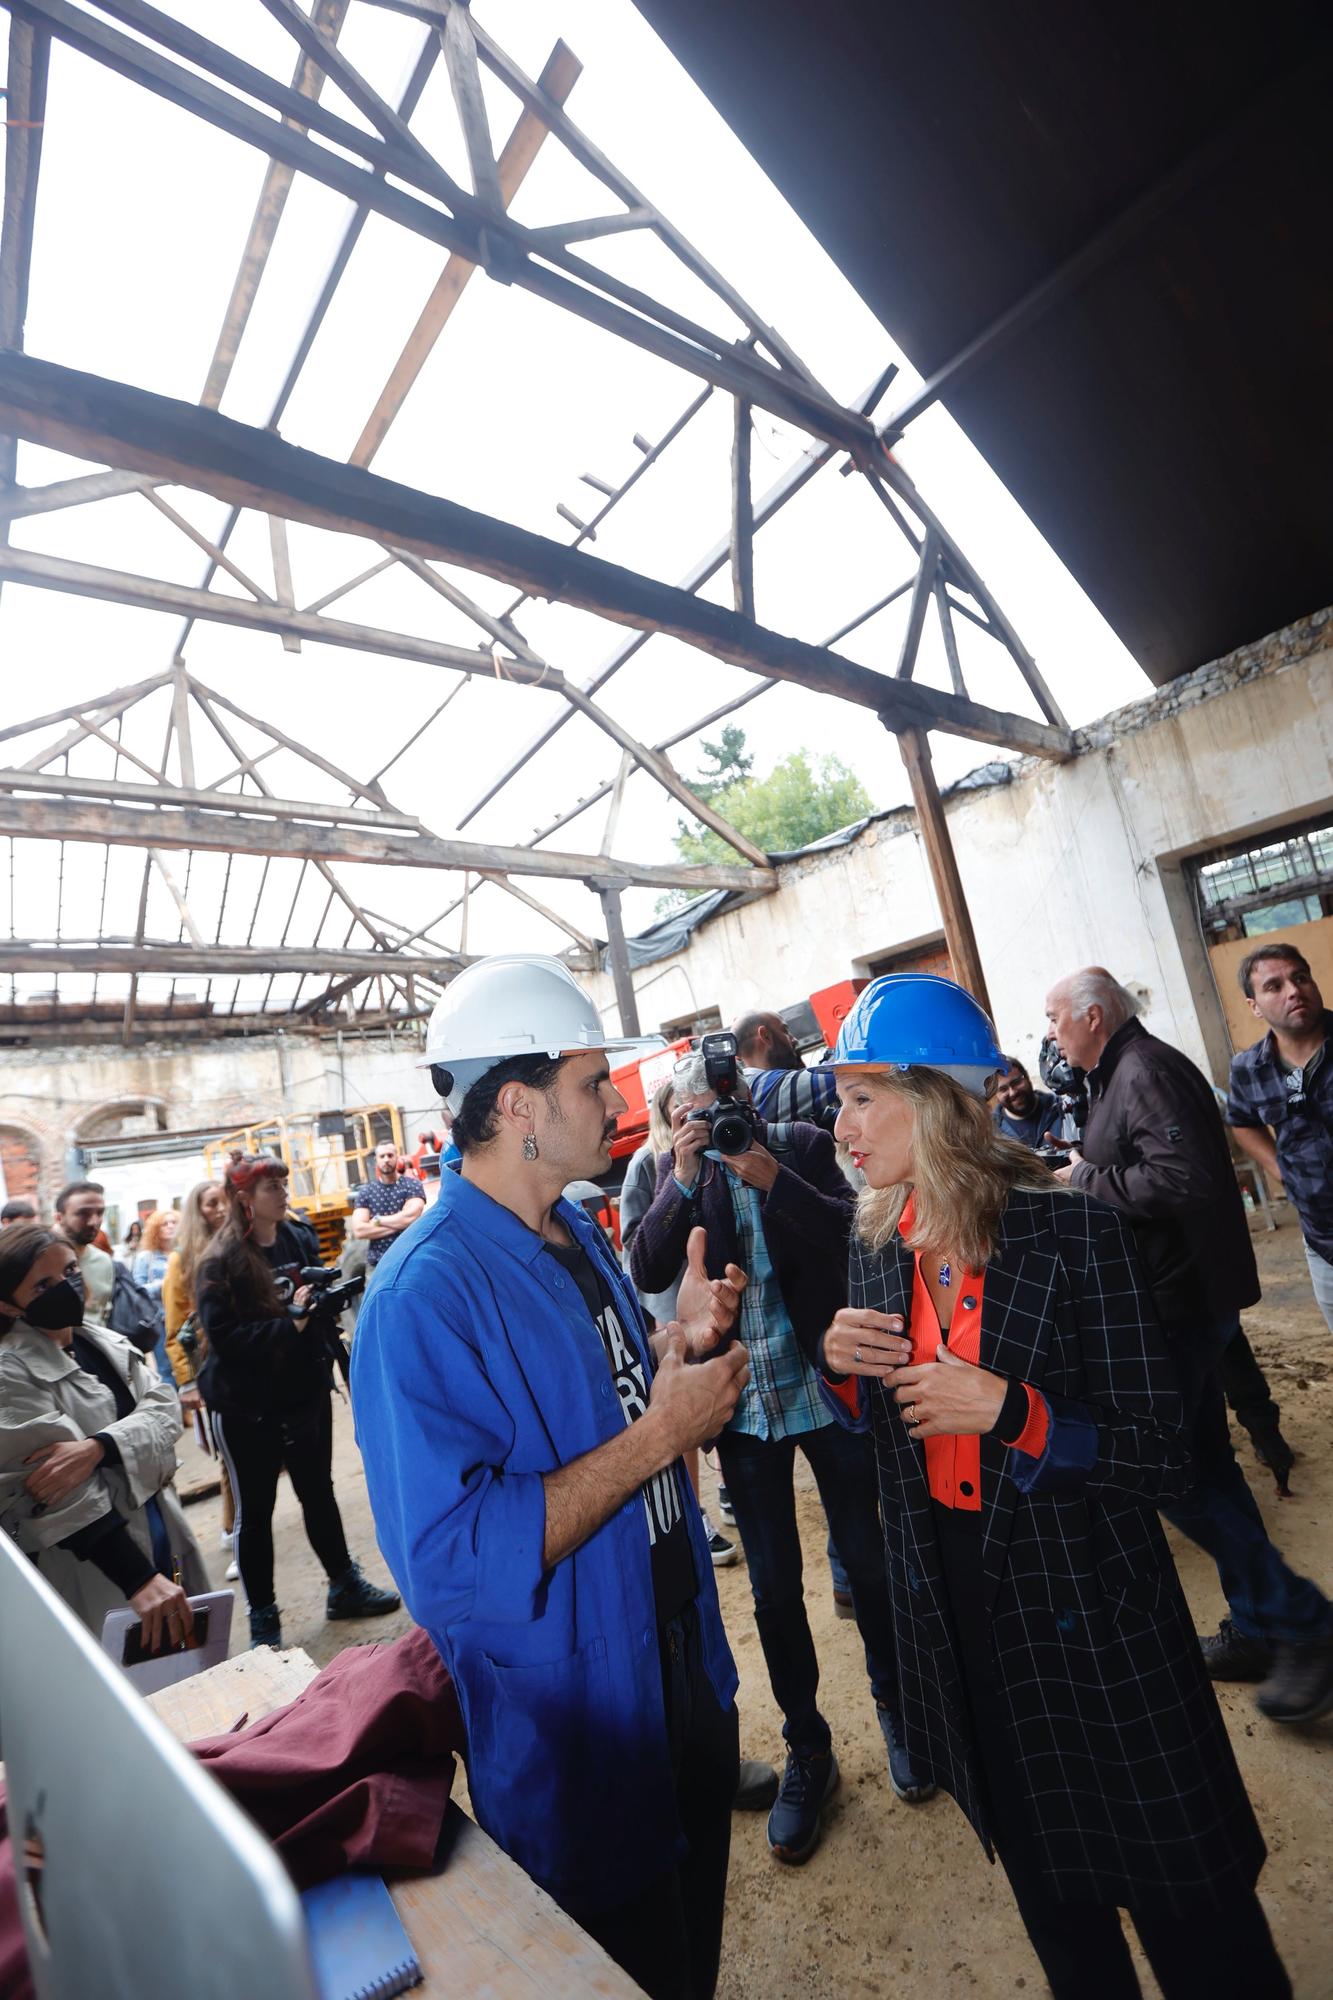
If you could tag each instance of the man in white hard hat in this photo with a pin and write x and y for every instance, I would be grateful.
(521, 1432)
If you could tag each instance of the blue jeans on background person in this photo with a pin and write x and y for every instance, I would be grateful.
(1266, 1599)
(758, 1476)
(841, 1581)
(1321, 1277)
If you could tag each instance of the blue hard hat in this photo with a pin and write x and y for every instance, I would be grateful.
(915, 1019)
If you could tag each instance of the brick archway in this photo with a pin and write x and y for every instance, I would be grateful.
(22, 1156)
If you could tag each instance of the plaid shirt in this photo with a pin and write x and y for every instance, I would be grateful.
(1301, 1119)
(781, 1096)
(781, 1398)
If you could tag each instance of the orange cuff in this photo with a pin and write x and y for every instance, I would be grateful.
(1032, 1438)
(848, 1393)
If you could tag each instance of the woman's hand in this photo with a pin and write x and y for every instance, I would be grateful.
(191, 1400)
(861, 1342)
(947, 1397)
(61, 1468)
(706, 1308)
(688, 1139)
(166, 1612)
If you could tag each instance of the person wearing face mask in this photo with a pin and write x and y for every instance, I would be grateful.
(1001, 1346)
(267, 1380)
(88, 1436)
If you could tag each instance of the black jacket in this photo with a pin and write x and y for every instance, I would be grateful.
(807, 1220)
(1129, 1781)
(259, 1366)
(1155, 1148)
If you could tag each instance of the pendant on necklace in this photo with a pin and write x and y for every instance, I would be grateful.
(946, 1275)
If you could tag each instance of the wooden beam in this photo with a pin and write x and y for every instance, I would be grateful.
(25, 116)
(959, 935)
(307, 82)
(261, 832)
(617, 800)
(163, 868)
(742, 510)
(282, 575)
(592, 227)
(561, 73)
(949, 635)
(622, 978)
(199, 1025)
(209, 961)
(25, 501)
(210, 701)
(106, 707)
(150, 594)
(180, 723)
(460, 59)
(580, 938)
(128, 792)
(111, 421)
(217, 556)
(927, 571)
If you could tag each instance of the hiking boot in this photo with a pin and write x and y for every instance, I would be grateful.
(352, 1595)
(265, 1626)
(913, 1791)
(1300, 1687)
(756, 1787)
(808, 1783)
(1230, 1655)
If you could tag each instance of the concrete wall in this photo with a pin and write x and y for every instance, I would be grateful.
(54, 1098)
(1064, 865)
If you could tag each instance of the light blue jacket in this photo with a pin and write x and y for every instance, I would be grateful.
(475, 1371)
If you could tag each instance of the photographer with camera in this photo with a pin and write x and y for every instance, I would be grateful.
(267, 1378)
(773, 1200)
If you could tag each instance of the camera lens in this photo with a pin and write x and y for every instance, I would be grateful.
(733, 1130)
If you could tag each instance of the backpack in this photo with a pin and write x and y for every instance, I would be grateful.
(135, 1312)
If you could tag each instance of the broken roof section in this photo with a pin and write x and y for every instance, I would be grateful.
(429, 598)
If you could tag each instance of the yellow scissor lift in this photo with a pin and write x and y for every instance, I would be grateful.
(326, 1154)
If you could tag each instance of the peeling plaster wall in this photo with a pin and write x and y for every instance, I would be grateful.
(1064, 865)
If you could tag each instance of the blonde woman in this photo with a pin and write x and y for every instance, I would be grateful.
(202, 1213)
(1000, 1343)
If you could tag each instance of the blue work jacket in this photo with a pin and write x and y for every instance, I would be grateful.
(476, 1370)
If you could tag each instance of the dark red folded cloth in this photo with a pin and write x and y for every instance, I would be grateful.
(355, 1773)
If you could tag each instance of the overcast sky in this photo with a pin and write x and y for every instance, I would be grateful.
(142, 216)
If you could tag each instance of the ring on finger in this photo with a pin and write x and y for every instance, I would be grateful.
(856, 1354)
(910, 1414)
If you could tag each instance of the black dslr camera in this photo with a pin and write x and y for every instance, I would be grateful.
(731, 1123)
(333, 1292)
(1068, 1085)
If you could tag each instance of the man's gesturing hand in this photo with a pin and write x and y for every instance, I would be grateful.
(693, 1404)
(861, 1342)
(706, 1308)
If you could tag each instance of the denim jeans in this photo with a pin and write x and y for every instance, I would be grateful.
(758, 1476)
(1267, 1600)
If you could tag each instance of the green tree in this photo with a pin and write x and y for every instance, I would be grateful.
(799, 801)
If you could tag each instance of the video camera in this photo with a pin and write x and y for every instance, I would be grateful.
(1068, 1085)
(333, 1292)
(731, 1121)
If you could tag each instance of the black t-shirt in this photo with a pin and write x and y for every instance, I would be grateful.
(674, 1581)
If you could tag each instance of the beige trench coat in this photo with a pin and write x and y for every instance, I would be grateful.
(46, 1398)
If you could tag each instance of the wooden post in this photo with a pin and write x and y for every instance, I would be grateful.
(742, 512)
(958, 933)
(626, 1003)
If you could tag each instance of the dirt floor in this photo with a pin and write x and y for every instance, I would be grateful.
(897, 1889)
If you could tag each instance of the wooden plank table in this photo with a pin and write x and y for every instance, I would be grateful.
(480, 1926)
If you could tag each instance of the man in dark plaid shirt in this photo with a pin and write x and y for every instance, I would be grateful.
(1280, 1105)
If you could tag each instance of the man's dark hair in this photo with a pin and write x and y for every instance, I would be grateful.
(747, 1032)
(19, 1210)
(475, 1124)
(1286, 954)
(1012, 1062)
(72, 1188)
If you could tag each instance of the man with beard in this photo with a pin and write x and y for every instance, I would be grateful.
(522, 1434)
(782, 1089)
(1022, 1111)
(80, 1207)
(1280, 1105)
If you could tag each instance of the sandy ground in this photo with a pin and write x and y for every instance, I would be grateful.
(897, 1889)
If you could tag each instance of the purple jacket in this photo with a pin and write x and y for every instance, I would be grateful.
(807, 1219)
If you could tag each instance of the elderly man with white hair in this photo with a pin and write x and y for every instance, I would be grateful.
(1155, 1147)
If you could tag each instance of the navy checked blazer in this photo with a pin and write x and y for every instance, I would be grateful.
(1132, 1790)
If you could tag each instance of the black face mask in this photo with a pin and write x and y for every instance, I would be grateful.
(59, 1306)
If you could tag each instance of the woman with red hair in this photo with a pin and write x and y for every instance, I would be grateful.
(267, 1381)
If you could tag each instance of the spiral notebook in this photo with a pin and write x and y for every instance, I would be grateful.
(358, 1946)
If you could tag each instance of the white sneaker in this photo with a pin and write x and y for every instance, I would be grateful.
(227, 1538)
(232, 1572)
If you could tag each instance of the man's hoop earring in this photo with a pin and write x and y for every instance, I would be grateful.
(529, 1145)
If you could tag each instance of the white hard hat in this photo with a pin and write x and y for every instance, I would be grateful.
(514, 1004)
